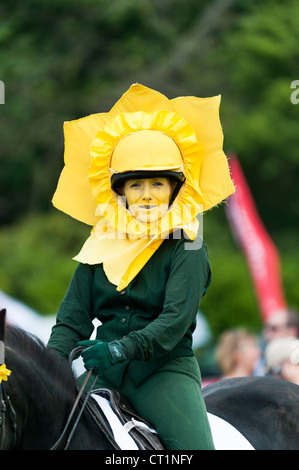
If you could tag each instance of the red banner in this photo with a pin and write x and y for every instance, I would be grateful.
(261, 254)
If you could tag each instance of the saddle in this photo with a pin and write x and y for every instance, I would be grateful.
(142, 433)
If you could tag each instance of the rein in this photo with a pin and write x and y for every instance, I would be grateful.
(65, 429)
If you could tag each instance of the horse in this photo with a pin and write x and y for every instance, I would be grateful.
(264, 410)
(37, 399)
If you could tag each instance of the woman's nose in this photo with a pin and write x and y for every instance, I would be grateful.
(146, 196)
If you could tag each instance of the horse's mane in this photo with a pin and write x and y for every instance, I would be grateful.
(30, 347)
(43, 387)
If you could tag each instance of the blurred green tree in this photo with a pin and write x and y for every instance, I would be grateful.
(260, 57)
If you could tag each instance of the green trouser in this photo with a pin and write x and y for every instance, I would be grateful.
(171, 400)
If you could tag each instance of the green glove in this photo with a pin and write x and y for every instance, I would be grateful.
(99, 356)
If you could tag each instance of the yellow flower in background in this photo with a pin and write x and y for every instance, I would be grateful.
(4, 373)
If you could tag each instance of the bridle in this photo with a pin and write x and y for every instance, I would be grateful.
(7, 411)
(6, 408)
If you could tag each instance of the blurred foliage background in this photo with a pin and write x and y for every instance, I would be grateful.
(61, 60)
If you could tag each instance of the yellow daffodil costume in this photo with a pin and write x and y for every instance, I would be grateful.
(140, 281)
(188, 123)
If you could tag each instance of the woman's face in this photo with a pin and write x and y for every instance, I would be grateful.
(248, 353)
(148, 199)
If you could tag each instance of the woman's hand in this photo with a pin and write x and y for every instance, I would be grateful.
(100, 355)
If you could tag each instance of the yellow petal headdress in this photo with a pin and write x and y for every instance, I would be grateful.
(84, 191)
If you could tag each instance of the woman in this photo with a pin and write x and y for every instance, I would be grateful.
(237, 353)
(143, 272)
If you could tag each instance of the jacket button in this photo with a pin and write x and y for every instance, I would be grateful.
(123, 320)
(127, 307)
(122, 292)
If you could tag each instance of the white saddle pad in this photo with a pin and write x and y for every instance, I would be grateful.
(225, 436)
(120, 431)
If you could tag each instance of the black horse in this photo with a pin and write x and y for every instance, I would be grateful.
(265, 410)
(38, 396)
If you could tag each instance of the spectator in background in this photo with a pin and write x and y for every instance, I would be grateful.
(282, 358)
(237, 353)
(282, 324)
(279, 325)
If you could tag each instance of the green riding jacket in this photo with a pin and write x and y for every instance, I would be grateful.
(154, 317)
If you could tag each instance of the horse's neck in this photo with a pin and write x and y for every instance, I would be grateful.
(43, 411)
(43, 397)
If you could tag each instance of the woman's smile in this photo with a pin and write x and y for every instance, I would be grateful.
(148, 207)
